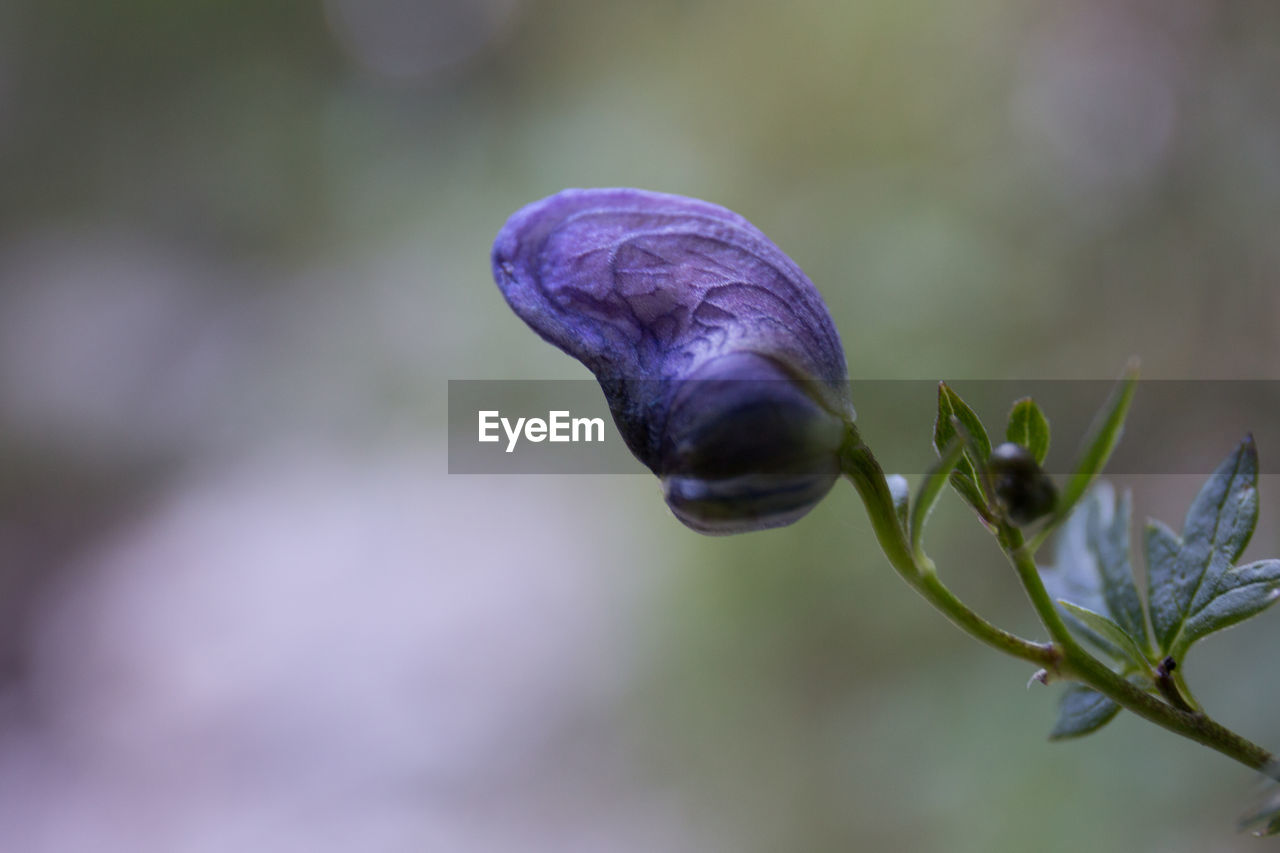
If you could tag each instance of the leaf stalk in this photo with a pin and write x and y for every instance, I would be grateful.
(1064, 656)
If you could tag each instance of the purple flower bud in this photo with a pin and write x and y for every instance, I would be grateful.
(717, 356)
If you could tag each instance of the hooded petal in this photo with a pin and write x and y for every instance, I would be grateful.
(653, 291)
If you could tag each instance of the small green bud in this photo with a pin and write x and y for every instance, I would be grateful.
(1022, 488)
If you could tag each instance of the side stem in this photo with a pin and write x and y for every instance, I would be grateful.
(1084, 667)
(1065, 656)
(862, 468)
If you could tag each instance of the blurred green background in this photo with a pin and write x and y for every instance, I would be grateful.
(243, 245)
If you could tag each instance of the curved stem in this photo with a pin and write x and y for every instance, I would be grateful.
(1065, 656)
(1012, 543)
(861, 467)
(1078, 663)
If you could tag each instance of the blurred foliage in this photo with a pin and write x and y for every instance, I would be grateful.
(299, 199)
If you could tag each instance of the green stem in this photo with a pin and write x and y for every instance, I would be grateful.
(1012, 543)
(864, 471)
(1079, 664)
(1064, 656)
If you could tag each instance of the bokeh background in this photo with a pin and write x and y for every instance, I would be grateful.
(244, 245)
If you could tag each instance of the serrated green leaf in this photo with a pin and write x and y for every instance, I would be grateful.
(1029, 427)
(1196, 588)
(900, 491)
(930, 491)
(1108, 536)
(1111, 632)
(965, 478)
(1092, 571)
(1161, 548)
(950, 405)
(1244, 591)
(1082, 710)
(1100, 441)
(1074, 574)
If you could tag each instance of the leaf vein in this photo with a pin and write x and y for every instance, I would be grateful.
(1213, 539)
